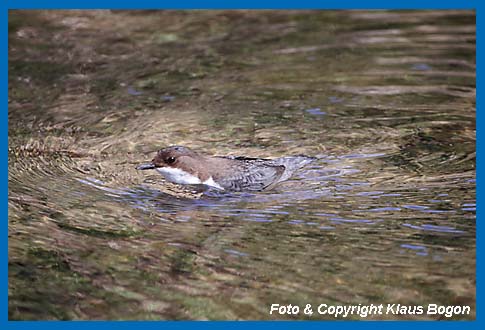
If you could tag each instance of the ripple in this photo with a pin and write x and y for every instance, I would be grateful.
(416, 207)
(419, 249)
(342, 220)
(434, 228)
(236, 253)
(316, 111)
(381, 209)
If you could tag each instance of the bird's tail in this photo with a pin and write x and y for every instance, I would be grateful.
(293, 163)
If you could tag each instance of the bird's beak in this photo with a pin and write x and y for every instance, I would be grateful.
(145, 166)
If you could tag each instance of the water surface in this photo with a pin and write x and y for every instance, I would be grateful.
(385, 100)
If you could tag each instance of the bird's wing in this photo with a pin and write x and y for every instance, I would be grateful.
(255, 178)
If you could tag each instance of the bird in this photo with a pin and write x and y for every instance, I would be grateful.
(182, 165)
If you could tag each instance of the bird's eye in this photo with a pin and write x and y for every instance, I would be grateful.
(170, 160)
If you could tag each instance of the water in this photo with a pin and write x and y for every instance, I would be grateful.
(385, 100)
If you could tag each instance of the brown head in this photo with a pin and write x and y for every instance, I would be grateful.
(173, 156)
(178, 157)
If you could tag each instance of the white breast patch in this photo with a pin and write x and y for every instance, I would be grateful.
(179, 176)
(212, 183)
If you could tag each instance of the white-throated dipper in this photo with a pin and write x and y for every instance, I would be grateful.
(184, 166)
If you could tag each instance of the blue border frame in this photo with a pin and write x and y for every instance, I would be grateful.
(247, 4)
(218, 4)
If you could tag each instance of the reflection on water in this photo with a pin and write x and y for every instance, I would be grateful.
(384, 100)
